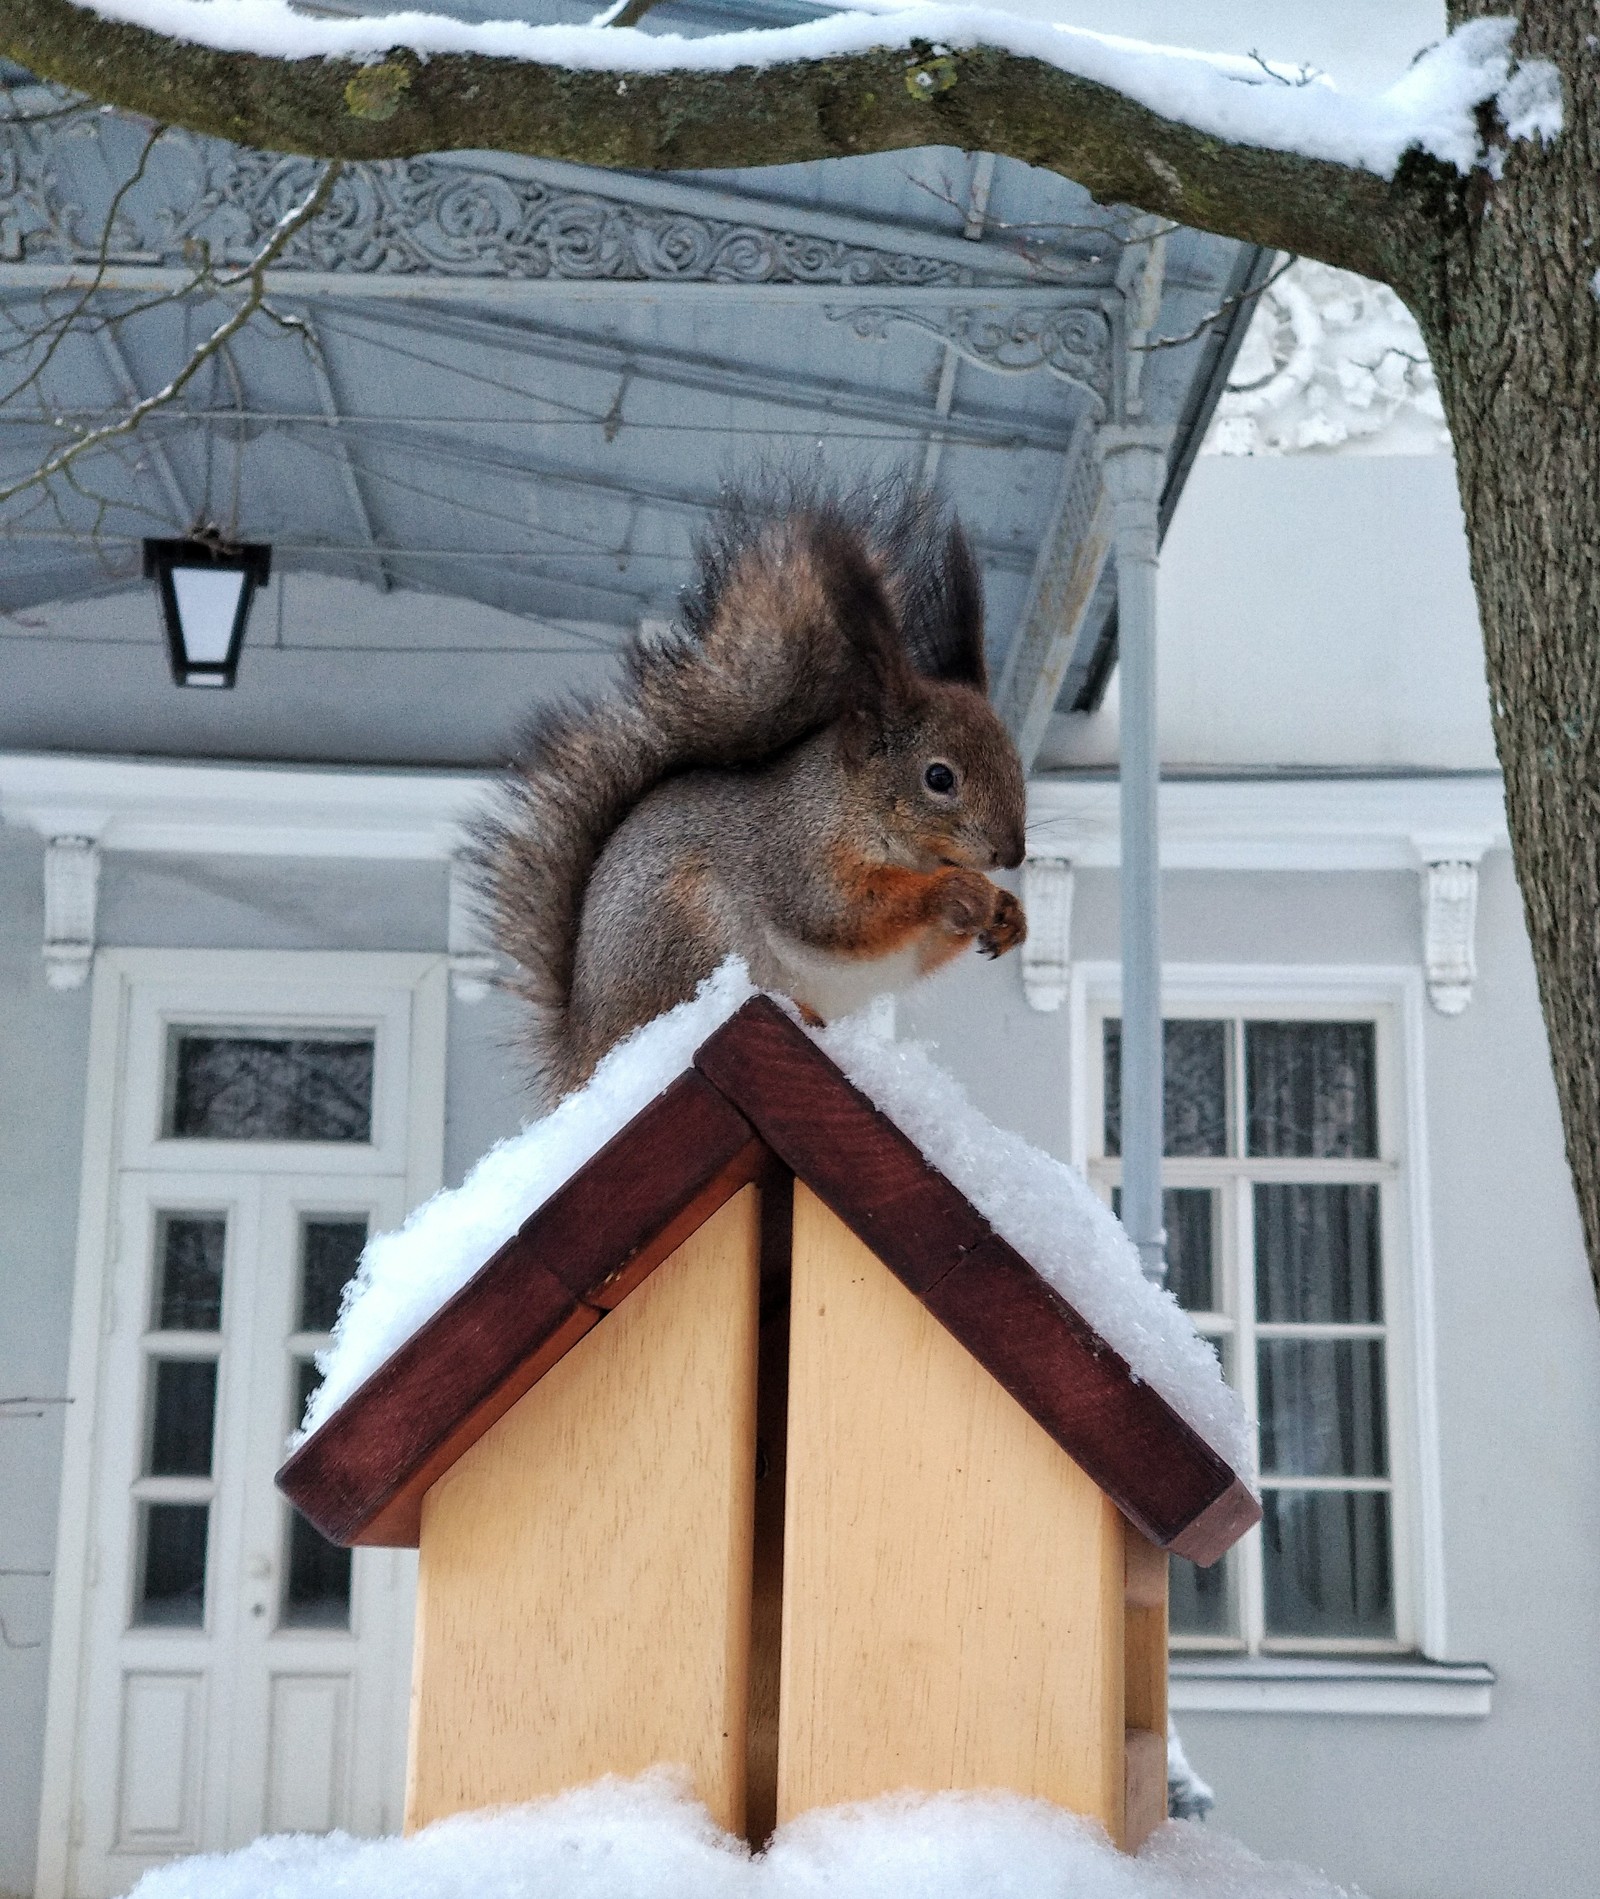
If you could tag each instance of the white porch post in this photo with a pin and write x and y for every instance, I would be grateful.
(1133, 468)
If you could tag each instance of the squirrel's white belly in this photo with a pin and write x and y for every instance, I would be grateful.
(831, 985)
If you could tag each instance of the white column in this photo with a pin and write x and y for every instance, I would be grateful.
(1133, 467)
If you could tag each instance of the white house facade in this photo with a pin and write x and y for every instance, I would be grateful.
(246, 1019)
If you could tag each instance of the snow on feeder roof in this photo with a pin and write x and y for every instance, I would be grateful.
(762, 1098)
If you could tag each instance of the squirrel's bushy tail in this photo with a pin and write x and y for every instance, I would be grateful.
(800, 598)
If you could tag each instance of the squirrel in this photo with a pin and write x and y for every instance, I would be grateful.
(805, 771)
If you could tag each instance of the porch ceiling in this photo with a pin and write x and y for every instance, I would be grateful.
(523, 383)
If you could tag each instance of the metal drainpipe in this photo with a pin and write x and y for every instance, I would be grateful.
(1133, 467)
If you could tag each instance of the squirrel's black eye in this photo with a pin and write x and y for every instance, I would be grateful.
(939, 777)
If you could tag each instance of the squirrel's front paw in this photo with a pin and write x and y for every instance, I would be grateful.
(1007, 925)
(966, 902)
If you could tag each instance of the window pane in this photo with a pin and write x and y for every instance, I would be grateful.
(330, 1251)
(183, 1403)
(1317, 1255)
(1188, 1214)
(1194, 1059)
(1322, 1408)
(1311, 1092)
(172, 1572)
(268, 1088)
(316, 1592)
(1199, 1600)
(1325, 1556)
(189, 1254)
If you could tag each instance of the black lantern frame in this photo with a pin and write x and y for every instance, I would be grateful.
(251, 560)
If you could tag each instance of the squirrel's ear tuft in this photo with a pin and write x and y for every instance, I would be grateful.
(938, 591)
(852, 582)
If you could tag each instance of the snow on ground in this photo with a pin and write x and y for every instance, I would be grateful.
(1043, 1207)
(647, 1839)
(1431, 105)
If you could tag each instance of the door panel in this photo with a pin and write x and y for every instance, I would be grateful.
(242, 1676)
(159, 1806)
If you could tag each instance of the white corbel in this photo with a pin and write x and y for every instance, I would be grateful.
(473, 963)
(1449, 919)
(71, 893)
(1047, 948)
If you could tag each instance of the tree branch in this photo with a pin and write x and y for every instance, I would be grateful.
(254, 274)
(981, 99)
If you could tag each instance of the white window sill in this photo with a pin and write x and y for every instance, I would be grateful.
(1304, 1684)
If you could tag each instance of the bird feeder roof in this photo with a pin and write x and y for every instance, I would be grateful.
(761, 1101)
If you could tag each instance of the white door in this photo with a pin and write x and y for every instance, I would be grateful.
(236, 1674)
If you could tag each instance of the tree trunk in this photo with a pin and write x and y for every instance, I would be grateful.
(1508, 307)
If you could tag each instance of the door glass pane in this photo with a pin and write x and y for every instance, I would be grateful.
(1194, 1059)
(316, 1592)
(330, 1251)
(172, 1566)
(183, 1403)
(1317, 1255)
(1326, 1561)
(1311, 1091)
(1199, 1601)
(226, 1087)
(189, 1255)
(1322, 1408)
(1189, 1215)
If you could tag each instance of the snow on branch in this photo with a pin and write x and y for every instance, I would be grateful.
(1242, 100)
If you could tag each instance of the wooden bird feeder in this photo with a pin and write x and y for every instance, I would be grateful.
(758, 1450)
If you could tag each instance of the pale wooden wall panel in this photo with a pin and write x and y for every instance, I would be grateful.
(953, 1582)
(585, 1568)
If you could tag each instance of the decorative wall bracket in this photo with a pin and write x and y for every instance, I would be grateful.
(474, 967)
(71, 893)
(1071, 342)
(1449, 920)
(1047, 948)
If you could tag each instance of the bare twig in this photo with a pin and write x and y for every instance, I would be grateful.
(254, 273)
(101, 265)
(1211, 317)
(1303, 74)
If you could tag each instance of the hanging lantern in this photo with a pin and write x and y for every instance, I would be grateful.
(206, 589)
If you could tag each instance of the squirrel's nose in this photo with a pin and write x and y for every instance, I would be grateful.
(1013, 851)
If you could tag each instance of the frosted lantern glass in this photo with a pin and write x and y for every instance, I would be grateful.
(208, 601)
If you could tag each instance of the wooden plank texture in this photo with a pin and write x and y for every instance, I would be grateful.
(362, 1476)
(1145, 1786)
(584, 1575)
(953, 1583)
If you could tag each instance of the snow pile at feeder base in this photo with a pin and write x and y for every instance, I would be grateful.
(646, 1839)
(1043, 1207)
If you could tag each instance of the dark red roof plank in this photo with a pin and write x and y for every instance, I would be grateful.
(849, 1153)
(361, 1476)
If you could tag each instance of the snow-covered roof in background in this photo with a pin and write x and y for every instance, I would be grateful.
(1042, 1207)
(1332, 363)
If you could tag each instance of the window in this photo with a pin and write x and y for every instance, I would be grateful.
(243, 1086)
(316, 1572)
(174, 1490)
(1279, 1176)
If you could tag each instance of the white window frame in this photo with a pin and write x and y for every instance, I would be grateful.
(1406, 1676)
(138, 997)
